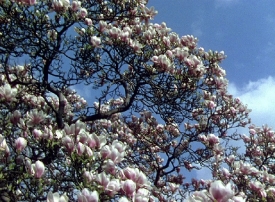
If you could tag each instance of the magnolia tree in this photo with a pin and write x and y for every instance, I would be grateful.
(159, 109)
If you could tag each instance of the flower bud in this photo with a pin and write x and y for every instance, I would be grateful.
(20, 144)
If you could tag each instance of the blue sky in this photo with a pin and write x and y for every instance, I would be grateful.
(245, 30)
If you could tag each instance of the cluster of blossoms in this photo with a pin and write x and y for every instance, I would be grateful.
(217, 192)
(53, 139)
(76, 142)
(249, 177)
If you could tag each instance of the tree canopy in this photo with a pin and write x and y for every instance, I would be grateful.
(159, 109)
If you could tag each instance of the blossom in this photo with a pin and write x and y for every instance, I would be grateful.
(3, 145)
(55, 197)
(29, 166)
(88, 196)
(88, 21)
(109, 167)
(258, 187)
(129, 187)
(8, 93)
(189, 41)
(212, 139)
(96, 141)
(68, 143)
(76, 5)
(173, 187)
(142, 195)
(80, 148)
(102, 179)
(39, 169)
(113, 187)
(95, 41)
(181, 53)
(88, 176)
(60, 5)
(220, 192)
(129, 173)
(29, 2)
(15, 117)
(199, 196)
(163, 61)
(20, 144)
(35, 117)
(123, 199)
(83, 12)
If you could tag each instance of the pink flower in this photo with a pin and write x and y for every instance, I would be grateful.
(199, 196)
(29, 166)
(37, 134)
(102, 179)
(123, 199)
(210, 104)
(55, 197)
(220, 192)
(88, 150)
(15, 117)
(20, 144)
(181, 53)
(129, 187)
(88, 176)
(141, 179)
(96, 141)
(226, 173)
(114, 32)
(258, 187)
(35, 117)
(189, 41)
(95, 41)
(173, 187)
(212, 139)
(60, 5)
(252, 131)
(7, 93)
(102, 26)
(88, 22)
(113, 187)
(80, 148)
(76, 5)
(142, 195)
(68, 143)
(109, 167)
(163, 61)
(135, 45)
(129, 173)
(105, 151)
(83, 12)
(30, 2)
(4, 146)
(88, 196)
(116, 155)
(119, 145)
(39, 169)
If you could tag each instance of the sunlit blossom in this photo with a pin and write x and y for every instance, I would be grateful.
(20, 144)
(55, 197)
(8, 93)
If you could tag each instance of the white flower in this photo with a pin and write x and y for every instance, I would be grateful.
(7, 93)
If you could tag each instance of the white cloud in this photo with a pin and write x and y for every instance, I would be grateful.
(196, 27)
(260, 97)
